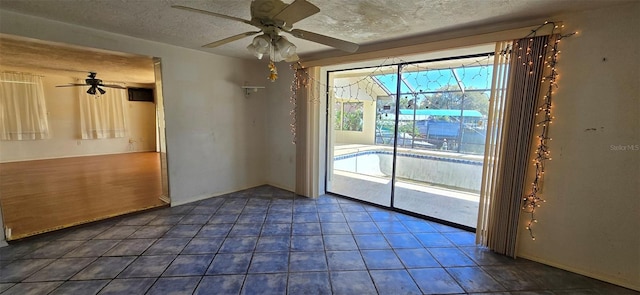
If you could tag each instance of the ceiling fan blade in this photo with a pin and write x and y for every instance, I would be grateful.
(72, 85)
(326, 40)
(112, 86)
(296, 11)
(230, 39)
(211, 13)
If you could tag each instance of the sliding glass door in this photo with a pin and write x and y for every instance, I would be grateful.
(411, 136)
(441, 138)
(358, 167)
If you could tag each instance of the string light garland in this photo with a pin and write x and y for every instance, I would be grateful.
(544, 118)
(366, 85)
(368, 79)
(298, 82)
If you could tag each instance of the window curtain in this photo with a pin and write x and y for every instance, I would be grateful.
(307, 136)
(23, 111)
(518, 70)
(102, 116)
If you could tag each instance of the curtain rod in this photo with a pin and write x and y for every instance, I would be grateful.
(22, 73)
(16, 82)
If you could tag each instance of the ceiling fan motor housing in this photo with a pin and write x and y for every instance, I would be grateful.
(93, 81)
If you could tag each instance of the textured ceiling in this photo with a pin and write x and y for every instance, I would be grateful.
(360, 21)
(29, 55)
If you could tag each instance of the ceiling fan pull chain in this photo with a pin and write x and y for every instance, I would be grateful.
(273, 76)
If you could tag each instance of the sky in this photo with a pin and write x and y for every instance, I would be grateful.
(427, 80)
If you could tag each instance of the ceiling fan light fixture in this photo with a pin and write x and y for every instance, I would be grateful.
(272, 17)
(252, 49)
(284, 48)
(261, 44)
(92, 91)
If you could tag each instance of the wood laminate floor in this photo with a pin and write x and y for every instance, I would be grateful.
(44, 195)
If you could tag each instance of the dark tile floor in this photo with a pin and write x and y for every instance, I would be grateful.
(269, 241)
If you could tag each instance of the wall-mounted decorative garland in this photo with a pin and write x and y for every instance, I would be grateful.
(300, 80)
(542, 154)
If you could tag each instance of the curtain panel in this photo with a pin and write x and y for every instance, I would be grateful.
(518, 71)
(307, 137)
(102, 116)
(23, 111)
(495, 126)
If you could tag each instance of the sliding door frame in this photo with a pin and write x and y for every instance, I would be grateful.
(328, 128)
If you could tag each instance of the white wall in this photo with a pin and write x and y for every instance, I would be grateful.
(589, 223)
(349, 89)
(281, 170)
(63, 113)
(367, 135)
(215, 137)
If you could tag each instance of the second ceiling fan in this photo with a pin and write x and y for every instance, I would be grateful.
(95, 85)
(273, 17)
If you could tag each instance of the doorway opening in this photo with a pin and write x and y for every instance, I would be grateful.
(67, 178)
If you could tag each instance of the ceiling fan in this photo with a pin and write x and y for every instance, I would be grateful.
(273, 17)
(94, 84)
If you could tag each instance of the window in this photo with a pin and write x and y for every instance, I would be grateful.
(348, 116)
(23, 111)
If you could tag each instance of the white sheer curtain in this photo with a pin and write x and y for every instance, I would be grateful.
(102, 115)
(23, 111)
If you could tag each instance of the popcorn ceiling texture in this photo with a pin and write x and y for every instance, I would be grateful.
(359, 21)
(29, 55)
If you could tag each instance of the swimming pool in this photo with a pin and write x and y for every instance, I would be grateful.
(455, 171)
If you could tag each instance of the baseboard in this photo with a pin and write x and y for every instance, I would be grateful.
(192, 199)
(175, 202)
(76, 156)
(598, 276)
(289, 189)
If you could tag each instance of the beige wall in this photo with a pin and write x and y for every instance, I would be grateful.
(63, 113)
(281, 170)
(350, 90)
(367, 135)
(589, 223)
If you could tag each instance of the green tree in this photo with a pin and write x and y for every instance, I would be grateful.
(451, 98)
(352, 116)
(337, 110)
